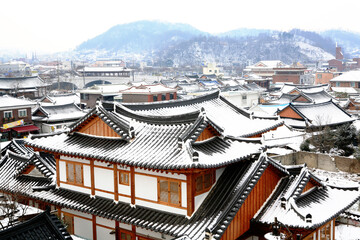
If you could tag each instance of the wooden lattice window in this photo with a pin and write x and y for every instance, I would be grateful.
(169, 192)
(75, 173)
(203, 182)
(124, 178)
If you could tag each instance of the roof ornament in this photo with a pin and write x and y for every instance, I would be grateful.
(195, 157)
(180, 143)
(132, 132)
(308, 218)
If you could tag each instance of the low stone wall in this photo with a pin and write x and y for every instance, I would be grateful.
(321, 161)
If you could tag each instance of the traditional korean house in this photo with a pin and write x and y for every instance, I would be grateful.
(315, 116)
(31, 87)
(52, 118)
(165, 170)
(42, 226)
(304, 97)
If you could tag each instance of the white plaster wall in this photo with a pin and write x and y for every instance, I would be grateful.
(124, 199)
(85, 215)
(151, 234)
(125, 226)
(104, 233)
(146, 187)
(62, 166)
(87, 175)
(124, 189)
(80, 160)
(199, 199)
(183, 194)
(161, 207)
(104, 179)
(83, 228)
(104, 194)
(75, 188)
(168, 175)
(105, 222)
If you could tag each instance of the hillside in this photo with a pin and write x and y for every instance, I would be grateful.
(183, 44)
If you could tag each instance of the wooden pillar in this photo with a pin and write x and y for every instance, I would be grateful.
(117, 230)
(92, 177)
(133, 231)
(57, 158)
(190, 192)
(116, 182)
(132, 177)
(94, 227)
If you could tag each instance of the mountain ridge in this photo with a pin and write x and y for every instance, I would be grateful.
(185, 45)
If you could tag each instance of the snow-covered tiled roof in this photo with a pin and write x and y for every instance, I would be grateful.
(22, 83)
(235, 121)
(351, 76)
(7, 101)
(291, 206)
(55, 113)
(322, 114)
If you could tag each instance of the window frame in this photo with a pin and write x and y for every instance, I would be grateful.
(11, 113)
(74, 173)
(128, 178)
(22, 110)
(72, 223)
(204, 188)
(169, 180)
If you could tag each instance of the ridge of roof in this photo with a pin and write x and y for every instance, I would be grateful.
(172, 103)
(172, 119)
(244, 187)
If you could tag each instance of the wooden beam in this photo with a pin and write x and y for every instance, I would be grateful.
(57, 158)
(190, 192)
(117, 230)
(92, 177)
(94, 227)
(132, 177)
(116, 183)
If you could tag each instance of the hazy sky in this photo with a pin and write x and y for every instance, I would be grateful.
(52, 26)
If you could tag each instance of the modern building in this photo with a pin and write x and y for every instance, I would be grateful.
(15, 117)
(105, 72)
(347, 79)
(148, 93)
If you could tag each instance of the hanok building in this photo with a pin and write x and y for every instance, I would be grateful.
(315, 116)
(31, 87)
(190, 169)
(52, 118)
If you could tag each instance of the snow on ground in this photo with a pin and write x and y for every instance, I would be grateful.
(347, 232)
(338, 178)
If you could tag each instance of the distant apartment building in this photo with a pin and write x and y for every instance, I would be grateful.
(324, 77)
(211, 69)
(293, 75)
(15, 69)
(105, 71)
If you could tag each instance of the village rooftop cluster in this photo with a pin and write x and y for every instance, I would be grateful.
(126, 151)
